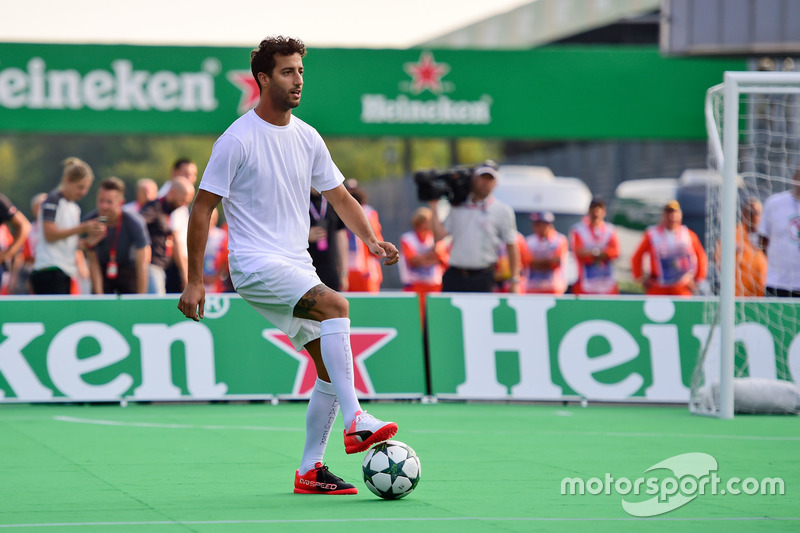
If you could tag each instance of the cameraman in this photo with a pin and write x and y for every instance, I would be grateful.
(478, 227)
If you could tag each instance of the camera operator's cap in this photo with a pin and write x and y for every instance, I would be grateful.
(543, 216)
(672, 205)
(484, 170)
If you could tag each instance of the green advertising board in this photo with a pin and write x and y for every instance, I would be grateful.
(107, 349)
(558, 92)
(611, 349)
(480, 346)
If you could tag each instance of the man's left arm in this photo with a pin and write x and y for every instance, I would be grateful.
(514, 264)
(21, 227)
(508, 232)
(702, 259)
(354, 218)
(342, 261)
(142, 265)
(95, 272)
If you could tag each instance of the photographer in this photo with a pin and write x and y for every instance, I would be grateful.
(478, 226)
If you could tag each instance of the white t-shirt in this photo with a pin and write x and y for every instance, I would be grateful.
(179, 225)
(781, 225)
(61, 253)
(264, 174)
(478, 230)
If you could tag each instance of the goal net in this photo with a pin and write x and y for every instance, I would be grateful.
(749, 359)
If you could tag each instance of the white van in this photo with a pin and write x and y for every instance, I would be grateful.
(528, 189)
(639, 203)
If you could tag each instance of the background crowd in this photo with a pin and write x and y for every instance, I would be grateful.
(140, 246)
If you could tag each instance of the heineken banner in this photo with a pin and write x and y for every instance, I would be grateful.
(105, 349)
(559, 92)
(545, 348)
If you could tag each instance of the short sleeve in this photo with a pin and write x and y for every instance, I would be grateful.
(227, 156)
(325, 175)
(49, 207)
(139, 234)
(508, 226)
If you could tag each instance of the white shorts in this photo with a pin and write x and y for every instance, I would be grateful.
(274, 290)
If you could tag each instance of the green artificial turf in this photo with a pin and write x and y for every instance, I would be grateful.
(485, 467)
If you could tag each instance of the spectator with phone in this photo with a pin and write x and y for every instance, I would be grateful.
(59, 230)
(120, 256)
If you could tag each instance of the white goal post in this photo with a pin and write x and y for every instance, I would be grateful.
(728, 132)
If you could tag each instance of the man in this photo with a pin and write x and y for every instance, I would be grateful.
(175, 271)
(422, 260)
(182, 168)
(327, 243)
(478, 227)
(20, 228)
(548, 253)
(677, 259)
(262, 169)
(119, 258)
(751, 263)
(751, 219)
(780, 239)
(166, 230)
(595, 244)
(364, 270)
(146, 191)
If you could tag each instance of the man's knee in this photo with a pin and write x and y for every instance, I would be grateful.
(336, 307)
(322, 303)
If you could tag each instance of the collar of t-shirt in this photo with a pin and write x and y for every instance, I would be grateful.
(480, 204)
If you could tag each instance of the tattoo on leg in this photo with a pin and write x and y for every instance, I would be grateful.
(305, 306)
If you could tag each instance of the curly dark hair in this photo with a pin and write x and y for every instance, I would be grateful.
(262, 59)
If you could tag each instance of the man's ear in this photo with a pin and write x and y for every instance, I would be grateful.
(263, 79)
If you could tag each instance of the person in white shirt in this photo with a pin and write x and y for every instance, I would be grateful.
(780, 238)
(182, 168)
(262, 169)
(59, 230)
(478, 227)
(146, 191)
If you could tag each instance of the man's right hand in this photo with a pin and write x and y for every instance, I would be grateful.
(194, 296)
(317, 233)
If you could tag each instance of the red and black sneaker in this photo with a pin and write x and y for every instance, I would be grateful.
(366, 430)
(319, 480)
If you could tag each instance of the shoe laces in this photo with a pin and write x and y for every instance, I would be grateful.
(365, 417)
(327, 475)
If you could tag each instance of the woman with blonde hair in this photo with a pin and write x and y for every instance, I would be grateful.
(60, 228)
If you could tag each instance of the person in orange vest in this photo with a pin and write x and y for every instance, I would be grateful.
(502, 269)
(678, 261)
(751, 263)
(547, 270)
(595, 245)
(422, 259)
(364, 269)
(14, 230)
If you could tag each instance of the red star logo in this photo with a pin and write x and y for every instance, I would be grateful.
(245, 82)
(363, 341)
(427, 74)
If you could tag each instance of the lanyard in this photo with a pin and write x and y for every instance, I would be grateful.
(323, 208)
(112, 254)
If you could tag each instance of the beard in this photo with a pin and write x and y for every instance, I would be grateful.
(282, 100)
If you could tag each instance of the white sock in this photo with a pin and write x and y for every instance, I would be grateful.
(334, 344)
(320, 416)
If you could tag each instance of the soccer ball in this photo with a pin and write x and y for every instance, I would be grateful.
(391, 469)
